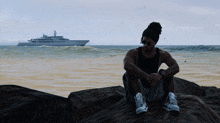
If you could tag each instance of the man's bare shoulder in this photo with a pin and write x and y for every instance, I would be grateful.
(164, 54)
(133, 52)
(131, 56)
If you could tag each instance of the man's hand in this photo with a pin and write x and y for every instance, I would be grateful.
(154, 78)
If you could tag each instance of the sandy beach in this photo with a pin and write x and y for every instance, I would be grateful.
(60, 77)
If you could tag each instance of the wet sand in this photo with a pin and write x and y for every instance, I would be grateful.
(60, 77)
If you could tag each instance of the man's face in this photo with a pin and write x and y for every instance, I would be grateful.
(148, 44)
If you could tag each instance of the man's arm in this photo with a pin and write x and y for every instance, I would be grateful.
(131, 68)
(173, 67)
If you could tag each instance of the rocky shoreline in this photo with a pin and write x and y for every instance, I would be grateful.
(22, 105)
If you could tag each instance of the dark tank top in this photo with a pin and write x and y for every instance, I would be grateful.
(148, 65)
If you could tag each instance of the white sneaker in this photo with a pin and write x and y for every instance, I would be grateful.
(140, 104)
(171, 103)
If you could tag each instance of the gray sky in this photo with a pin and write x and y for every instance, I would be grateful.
(112, 22)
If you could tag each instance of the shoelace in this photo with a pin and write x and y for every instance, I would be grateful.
(139, 101)
(173, 101)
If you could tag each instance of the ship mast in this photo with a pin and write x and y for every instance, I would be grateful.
(55, 33)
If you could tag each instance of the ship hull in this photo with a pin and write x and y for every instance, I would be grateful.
(67, 43)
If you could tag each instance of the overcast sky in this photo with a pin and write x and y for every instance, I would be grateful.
(112, 22)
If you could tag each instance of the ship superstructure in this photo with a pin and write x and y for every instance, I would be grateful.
(53, 41)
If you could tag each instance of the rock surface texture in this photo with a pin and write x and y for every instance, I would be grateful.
(18, 104)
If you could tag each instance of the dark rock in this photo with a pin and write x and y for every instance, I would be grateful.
(23, 105)
(188, 88)
(19, 104)
(89, 102)
(212, 98)
(210, 95)
(193, 110)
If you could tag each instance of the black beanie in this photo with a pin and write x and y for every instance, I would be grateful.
(153, 31)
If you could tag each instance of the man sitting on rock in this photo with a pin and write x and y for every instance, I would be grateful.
(142, 80)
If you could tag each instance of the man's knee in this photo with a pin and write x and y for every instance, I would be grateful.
(130, 77)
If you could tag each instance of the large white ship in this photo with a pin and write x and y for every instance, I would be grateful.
(53, 41)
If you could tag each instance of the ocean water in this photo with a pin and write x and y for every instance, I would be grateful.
(61, 70)
(79, 52)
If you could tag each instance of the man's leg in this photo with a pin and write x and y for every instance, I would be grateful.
(132, 87)
(133, 92)
(168, 86)
(170, 102)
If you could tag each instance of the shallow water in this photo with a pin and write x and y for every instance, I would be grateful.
(61, 70)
